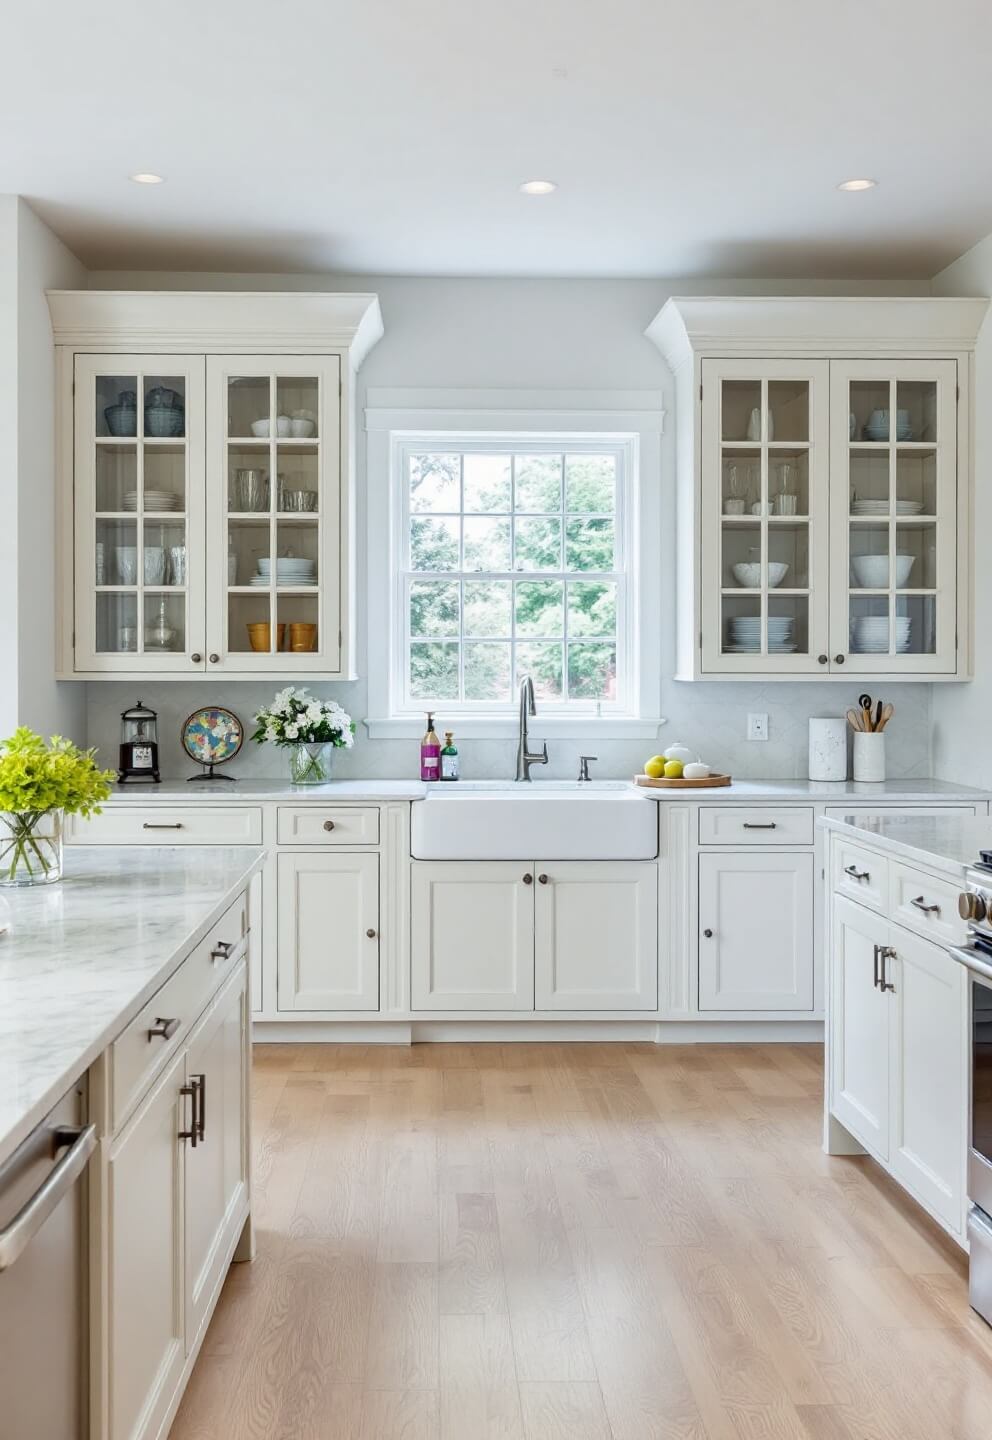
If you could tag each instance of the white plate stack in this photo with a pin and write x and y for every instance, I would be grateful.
(745, 635)
(880, 508)
(290, 571)
(158, 501)
(870, 634)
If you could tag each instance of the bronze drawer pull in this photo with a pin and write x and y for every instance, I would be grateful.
(765, 825)
(222, 950)
(857, 874)
(921, 904)
(175, 825)
(328, 825)
(163, 1029)
(370, 933)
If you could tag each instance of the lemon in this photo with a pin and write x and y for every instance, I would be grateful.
(673, 769)
(655, 767)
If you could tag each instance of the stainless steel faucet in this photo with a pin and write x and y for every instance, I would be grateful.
(527, 707)
(584, 776)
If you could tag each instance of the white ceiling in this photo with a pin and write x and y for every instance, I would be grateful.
(688, 137)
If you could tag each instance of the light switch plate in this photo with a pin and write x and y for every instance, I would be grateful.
(757, 727)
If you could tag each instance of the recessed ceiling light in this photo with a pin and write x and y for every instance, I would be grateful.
(538, 187)
(147, 177)
(857, 185)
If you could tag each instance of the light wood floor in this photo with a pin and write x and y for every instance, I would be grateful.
(578, 1242)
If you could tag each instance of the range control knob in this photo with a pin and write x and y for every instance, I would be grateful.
(972, 906)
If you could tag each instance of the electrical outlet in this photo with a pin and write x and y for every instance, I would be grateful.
(757, 727)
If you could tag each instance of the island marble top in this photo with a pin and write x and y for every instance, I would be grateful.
(83, 956)
(946, 843)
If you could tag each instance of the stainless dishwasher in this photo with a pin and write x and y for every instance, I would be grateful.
(43, 1281)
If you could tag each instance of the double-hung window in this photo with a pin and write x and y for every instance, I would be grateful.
(514, 558)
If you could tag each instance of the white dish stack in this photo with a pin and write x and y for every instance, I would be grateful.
(159, 501)
(291, 571)
(745, 635)
(870, 634)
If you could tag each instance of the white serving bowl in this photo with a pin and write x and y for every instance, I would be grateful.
(749, 574)
(872, 571)
(301, 428)
(695, 770)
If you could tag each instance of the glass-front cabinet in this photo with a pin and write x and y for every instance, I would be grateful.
(765, 466)
(273, 506)
(139, 512)
(894, 498)
(207, 505)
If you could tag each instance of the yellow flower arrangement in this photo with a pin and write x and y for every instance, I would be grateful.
(36, 779)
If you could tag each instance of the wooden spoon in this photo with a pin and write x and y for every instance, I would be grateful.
(855, 718)
(886, 716)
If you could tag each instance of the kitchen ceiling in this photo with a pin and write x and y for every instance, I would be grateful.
(390, 137)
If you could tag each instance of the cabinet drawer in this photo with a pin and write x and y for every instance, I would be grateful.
(738, 825)
(328, 825)
(925, 904)
(861, 874)
(169, 825)
(136, 1057)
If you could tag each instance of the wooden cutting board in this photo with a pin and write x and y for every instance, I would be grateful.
(647, 782)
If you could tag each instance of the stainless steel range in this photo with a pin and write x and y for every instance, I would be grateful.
(975, 905)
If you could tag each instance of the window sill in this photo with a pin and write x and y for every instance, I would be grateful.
(541, 727)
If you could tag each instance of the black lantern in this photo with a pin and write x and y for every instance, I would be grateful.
(139, 747)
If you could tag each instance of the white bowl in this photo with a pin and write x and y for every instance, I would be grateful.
(301, 428)
(872, 571)
(260, 429)
(749, 575)
(695, 770)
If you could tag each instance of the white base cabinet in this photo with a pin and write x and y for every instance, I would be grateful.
(756, 930)
(898, 1053)
(472, 936)
(328, 930)
(596, 937)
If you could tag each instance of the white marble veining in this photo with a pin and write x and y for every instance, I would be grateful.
(83, 956)
(829, 792)
(946, 843)
(254, 789)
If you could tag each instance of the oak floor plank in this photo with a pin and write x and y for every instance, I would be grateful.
(598, 1242)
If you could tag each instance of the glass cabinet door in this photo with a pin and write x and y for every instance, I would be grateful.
(765, 479)
(273, 513)
(139, 521)
(894, 456)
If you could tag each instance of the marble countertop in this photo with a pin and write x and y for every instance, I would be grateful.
(380, 791)
(219, 792)
(946, 843)
(83, 956)
(830, 792)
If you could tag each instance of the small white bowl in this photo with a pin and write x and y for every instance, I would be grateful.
(301, 428)
(871, 572)
(284, 425)
(260, 429)
(695, 770)
(749, 575)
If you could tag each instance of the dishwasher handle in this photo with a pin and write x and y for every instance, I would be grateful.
(15, 1237)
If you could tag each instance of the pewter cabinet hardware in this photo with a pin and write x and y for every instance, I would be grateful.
(163, 1029)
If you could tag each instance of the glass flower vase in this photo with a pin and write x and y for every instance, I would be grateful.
(30, 847)
(311, 763)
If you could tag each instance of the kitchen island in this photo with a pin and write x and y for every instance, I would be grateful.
(126, 984)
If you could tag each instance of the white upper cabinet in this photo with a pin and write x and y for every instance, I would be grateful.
(205, 457)
(824, 484)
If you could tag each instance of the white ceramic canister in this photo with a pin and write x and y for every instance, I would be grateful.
(828, 748)
(869, 755)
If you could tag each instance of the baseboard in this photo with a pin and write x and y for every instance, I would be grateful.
(439, 1032)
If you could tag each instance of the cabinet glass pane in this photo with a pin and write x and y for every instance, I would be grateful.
(869, 480)
(871, 628)
(164, 480)
(916, 482)
(249, 624)
(741, 482)
(741, 625)
(742, 554)
(248, 542)
(164, 406)
(788, 624)
(165, 623)
(916, 556)
(788, 404)
(298, 619)
(117, 405)
(116, 623)
(740, 410)
(116, 477)
(788, 557)
(869, 555)
(297, 475)
(248, 406)
(916, 410)
(788, 482)
(916, 624)
(296, 554)
(164, 551)
(248, 479)
(297, 404)
(116, 556)
(870, 409)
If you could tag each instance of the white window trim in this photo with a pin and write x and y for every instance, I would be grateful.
(394, 418)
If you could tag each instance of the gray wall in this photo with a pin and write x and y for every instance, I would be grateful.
(527, 334)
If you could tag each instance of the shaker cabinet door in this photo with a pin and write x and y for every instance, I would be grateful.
(472, 935)
(596, 936)
(859, 1020)
(328, 930)
(756, 930)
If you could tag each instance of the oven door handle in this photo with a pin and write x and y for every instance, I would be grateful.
(979, 965)
(17, 1236)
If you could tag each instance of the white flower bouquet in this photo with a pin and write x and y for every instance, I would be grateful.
(312, 729)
